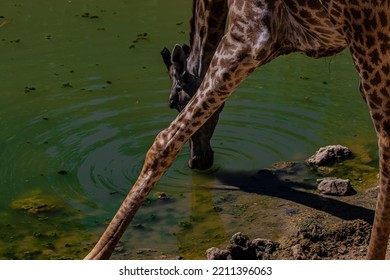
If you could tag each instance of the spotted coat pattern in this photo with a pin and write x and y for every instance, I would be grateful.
(257, 32)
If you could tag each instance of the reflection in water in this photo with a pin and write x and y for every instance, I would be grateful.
(83, 93)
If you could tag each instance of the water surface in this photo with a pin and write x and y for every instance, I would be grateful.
(83, 93)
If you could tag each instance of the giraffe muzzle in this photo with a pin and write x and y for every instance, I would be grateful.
(201, 162)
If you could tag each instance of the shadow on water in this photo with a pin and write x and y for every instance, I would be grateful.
(274, 184)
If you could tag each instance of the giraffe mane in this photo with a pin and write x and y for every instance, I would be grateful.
(192, 23)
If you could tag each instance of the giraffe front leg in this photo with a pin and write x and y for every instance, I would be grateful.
(229, 67)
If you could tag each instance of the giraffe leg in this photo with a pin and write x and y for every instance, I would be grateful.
(381, 227)
(375, 86)
(368, 38)
(228, 68)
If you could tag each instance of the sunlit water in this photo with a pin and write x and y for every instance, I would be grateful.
(83, 93)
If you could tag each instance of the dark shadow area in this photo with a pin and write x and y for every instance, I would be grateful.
(270, 183)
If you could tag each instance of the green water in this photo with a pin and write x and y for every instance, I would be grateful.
(83, 92)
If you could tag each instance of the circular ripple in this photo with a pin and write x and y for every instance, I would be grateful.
(255, 136)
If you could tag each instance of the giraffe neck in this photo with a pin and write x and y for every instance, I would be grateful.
(207, 29)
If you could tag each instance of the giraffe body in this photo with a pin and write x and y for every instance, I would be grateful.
(257, 32)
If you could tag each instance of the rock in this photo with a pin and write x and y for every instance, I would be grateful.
(217, 254)
(329, 155)
(264, 245)
(242, 248)
(163, 195)
(342, 249)
(239, 239)
(315, 240)
(297, 252)
(334, 186)
(264, 248)
(242, 253)
(344, 240)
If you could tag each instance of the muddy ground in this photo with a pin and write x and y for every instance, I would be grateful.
(316, 240)
(285, 215)
(308, 224)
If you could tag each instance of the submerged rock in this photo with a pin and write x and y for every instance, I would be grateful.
(334, 186)
(36, 203)
(329, 155)
(285, 164)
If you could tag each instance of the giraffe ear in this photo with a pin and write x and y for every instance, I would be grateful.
(179, 60)
(166, 56)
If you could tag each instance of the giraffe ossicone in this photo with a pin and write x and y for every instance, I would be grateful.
(220, 59)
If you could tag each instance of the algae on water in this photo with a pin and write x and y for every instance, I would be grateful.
(36, 203)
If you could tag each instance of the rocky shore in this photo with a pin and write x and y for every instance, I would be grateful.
(314, 237)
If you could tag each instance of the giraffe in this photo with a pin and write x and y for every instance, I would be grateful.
(187, 69)
(257, 32)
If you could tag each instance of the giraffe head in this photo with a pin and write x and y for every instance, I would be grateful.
(184, 87)
(184, 84)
